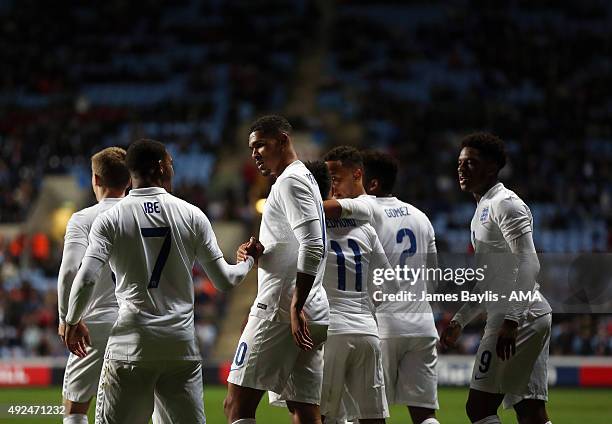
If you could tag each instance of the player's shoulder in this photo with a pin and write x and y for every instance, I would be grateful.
(85, 217)
(506, 201)
(296, 173)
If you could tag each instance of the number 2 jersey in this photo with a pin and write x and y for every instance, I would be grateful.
(407, 237)
(152, 239)
(294, 200)
(355, 252)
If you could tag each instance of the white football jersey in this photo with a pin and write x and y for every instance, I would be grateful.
(500, 217)
(103, 305)
(355, 252)
(152, 239)
(407, 238)
(294, 199)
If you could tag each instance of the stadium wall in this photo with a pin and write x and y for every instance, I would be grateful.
(453, 370)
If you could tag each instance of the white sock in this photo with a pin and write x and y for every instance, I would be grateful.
(75, 419)
(548, 422)
(245, 421)
(491, 419)
(431, 421)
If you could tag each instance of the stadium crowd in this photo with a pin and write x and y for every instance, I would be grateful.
(412, 77)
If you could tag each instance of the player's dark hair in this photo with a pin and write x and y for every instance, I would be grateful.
(380, 166)
(347, 155)
(271, 125)
(109, 166)
(319, 171)
(143, 156)
(489, 145)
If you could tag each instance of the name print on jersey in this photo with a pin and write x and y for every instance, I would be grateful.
(151, 207)
(396, 212)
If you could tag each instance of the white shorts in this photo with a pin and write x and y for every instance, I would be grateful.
(267, 358)
(411, 378)
(353, 370)
(82, 374)
(129, 389)
(525, 374)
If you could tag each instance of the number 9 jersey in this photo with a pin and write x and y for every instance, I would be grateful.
(151, 240)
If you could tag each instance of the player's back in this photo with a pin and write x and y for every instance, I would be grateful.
(156, 238)
(103, 305)
(354, 254)
(407, 237)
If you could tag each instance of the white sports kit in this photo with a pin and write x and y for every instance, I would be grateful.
(407, 329)
(266, 357)
(82, 374)
(151, 239)
(353, 381)
(500, 219)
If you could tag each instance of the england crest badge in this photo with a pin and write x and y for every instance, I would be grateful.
(484, 215)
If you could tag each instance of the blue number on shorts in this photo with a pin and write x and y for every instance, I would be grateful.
(341, 262)
(240, 353)
(485, 361)
(163, 253)
(406, 253)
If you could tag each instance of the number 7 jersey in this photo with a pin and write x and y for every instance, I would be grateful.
(152, 239)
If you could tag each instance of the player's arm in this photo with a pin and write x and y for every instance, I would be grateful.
(514, 221)
(310, 253)
(348, 208)
(301, 209)
(96, 256)
(223, 275)
(75, 245)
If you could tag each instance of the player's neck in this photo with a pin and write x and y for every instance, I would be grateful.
(108, 193)
(288, 158)
(146, 183)
(482, 191)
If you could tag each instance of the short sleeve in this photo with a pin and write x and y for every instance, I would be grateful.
(207, 248)
(297, 201)
(101, 238)
(76, 232)
(513, 218)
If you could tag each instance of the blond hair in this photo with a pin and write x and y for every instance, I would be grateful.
(109, 166)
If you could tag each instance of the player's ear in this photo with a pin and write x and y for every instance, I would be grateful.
(283, 139)
(97, 180)
(357, 174)
(372, 186)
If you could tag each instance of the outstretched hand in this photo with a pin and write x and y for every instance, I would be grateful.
(253, 248)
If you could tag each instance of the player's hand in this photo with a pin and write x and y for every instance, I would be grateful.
(251, 248)
(77, 339)
(450, 335)
(506, 339)
(61, 331)
(299, 330)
